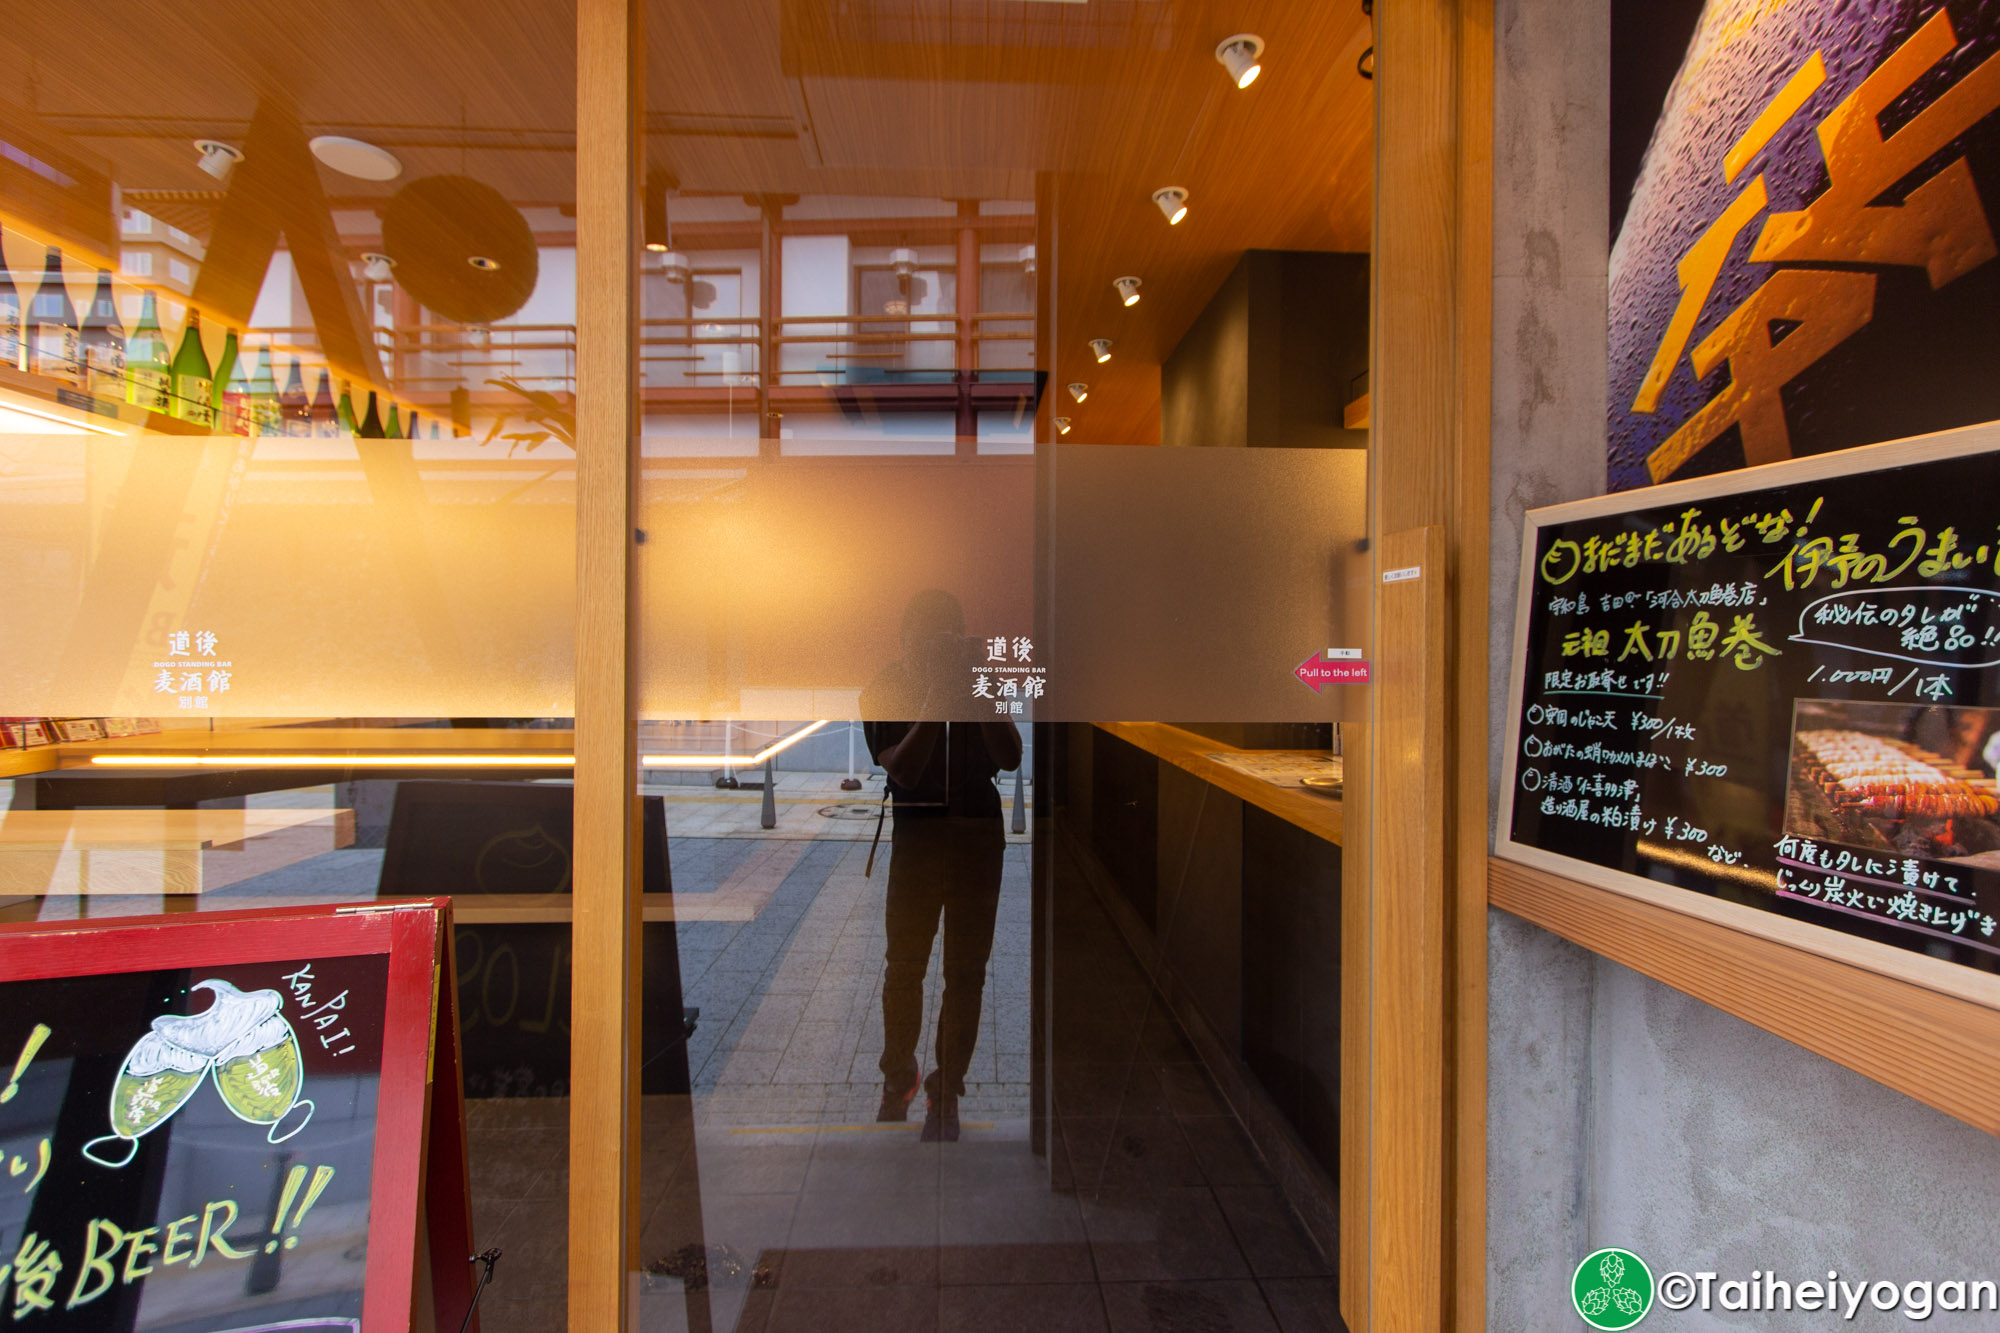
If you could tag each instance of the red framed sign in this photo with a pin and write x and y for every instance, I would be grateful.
(232, 1122)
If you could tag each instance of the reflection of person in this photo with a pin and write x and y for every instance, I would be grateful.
(945, 853)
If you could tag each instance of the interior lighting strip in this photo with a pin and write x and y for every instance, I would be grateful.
(213, 759)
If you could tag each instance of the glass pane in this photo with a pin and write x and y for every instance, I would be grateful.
(979, 978)
(287, 364)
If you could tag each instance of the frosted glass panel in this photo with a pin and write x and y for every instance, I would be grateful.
(1189, 585)
(846, 581)
(776, 587)
(284, 578)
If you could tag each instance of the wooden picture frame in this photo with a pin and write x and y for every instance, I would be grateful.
(1921, 1024)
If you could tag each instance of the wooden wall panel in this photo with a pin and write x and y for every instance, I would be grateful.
(604, 1031)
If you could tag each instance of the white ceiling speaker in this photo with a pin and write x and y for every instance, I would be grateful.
(356, 158)
(1079, 391)
(1172, 200)
(1239, 55)
(1128, 290)
(217, 159)
(1101, 349)
(377, 267)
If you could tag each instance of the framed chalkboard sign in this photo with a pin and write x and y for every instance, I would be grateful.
(1771, 698)
(223, 1123)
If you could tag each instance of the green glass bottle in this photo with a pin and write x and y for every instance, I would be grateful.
(371, 420)
(104, 344)
(194, 381)
(148, 376)
(54, 334)
(344, 417)
(393, 428)
(264, 412)
(231, 398)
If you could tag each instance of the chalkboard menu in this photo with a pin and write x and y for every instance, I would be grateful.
(1773, 698)
(208, 1123)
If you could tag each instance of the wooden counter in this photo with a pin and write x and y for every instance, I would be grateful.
(1321, 816)
(52, 853)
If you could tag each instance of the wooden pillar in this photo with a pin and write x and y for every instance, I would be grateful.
(603, 1156)
(1423, 1024)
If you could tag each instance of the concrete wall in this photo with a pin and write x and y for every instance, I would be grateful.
(1623, 1112)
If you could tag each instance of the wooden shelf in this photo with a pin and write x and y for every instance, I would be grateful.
(1321, 816)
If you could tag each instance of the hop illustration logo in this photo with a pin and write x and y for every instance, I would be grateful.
(1612, 1289)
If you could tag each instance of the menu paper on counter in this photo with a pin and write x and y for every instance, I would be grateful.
(221, 1123)
(1772, 698)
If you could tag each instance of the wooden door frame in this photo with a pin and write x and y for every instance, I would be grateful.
(1413, 1202)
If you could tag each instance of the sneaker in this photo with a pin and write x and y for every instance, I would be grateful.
(940, 1120)
(895, 1105)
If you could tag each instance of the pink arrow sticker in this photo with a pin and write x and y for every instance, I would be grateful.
(1316, 671)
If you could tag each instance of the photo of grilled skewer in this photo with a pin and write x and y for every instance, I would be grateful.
(1910, 781)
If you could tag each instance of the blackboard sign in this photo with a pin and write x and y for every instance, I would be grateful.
(216, 1123)
(1772, 698)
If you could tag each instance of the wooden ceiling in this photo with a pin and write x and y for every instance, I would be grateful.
(1085, 108)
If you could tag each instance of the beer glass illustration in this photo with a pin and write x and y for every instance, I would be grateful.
(240, 1039)
(259, 1077)
(157, 1079)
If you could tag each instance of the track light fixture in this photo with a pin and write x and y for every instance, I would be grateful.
(1101, 349)
(903, 260)
(1062, 425)
(658, 230)
(1079, 391)
(1128, 290)
(1172, 200)
(217, 159)
(1240, 55)
(377, 267)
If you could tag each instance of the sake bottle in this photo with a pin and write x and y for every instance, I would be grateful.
(393, 428)
(104, 344)
(371, 421)
(345, 415)
(54, 335)
(325, 416)
(13, 351)
(231, 396)
(148, 376)
(194, 381)
(294, 408)
(264, 411)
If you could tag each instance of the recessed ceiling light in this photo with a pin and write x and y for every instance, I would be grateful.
(1172, 200)
(1239, 55)
(1079, 391)
(1128, 290)
(217, 159)
(1101, 349)
(356, 158)
(1062, 425)
(482, 263)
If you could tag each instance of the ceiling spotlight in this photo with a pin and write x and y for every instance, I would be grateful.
(479, 336)
(675, 265)
(1173, 203)
(1027, 259)
(903, 260)
(482, 263)
(217, 159)
(1079, 391)
(1239, 55)
(377, 267)
(1128, 290)
(356, 158)
(1062, 425)
(1101, 349)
